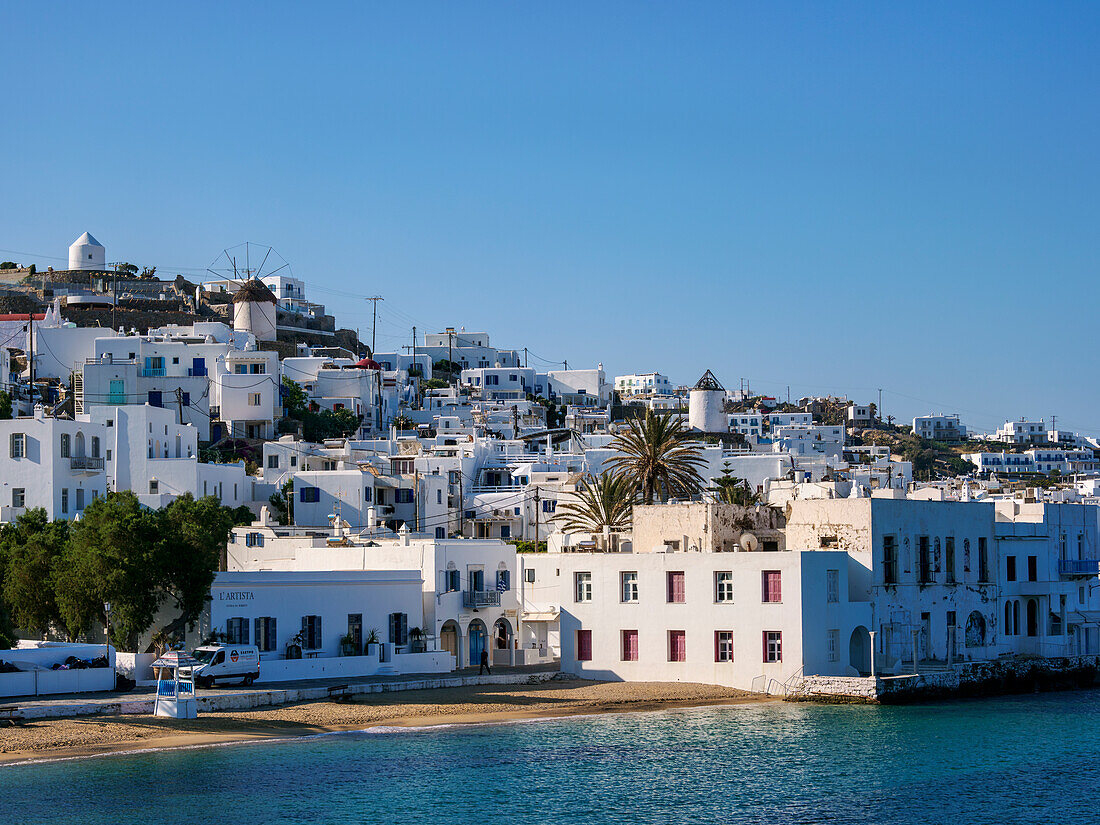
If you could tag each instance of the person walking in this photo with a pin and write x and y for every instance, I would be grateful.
(484, 663)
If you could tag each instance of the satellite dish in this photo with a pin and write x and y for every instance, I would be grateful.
(749, 543)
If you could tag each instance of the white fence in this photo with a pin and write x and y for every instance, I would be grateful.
(37, 678)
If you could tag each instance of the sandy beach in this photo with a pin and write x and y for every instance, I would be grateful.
(60, 738)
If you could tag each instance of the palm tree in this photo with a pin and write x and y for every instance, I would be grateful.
(660, 456)
(603, 502)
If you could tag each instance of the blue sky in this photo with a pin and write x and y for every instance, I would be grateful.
(835, 197)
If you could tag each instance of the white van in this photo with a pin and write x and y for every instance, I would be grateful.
(221, 662)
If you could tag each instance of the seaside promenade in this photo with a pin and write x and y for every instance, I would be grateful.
(140, 700)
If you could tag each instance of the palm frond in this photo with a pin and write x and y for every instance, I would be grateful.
(606, 501)
(661, 457)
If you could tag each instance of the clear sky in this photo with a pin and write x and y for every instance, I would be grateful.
(837, 197)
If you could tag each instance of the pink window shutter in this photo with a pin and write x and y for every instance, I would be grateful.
(765, 646)
(777, 586)
(716, 646)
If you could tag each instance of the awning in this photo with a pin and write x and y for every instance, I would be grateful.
(540, 616)
(1084, 617)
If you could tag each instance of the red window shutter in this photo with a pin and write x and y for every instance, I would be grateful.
(584, 645)
(765, 659)
(680, 595)
(777, 586)
(716, 645)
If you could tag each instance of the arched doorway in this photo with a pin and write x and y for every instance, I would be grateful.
(859, 651)
(478, 638)
(1032, 617)
(975, 630)
(502, 634)
(448, 639)
(78, 445)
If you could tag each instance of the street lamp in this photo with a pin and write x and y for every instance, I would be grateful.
(107, 631)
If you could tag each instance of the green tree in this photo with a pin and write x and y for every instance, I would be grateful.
(5, 406)
(660, 457)
(194, 536)
(606, 501)
(295, 401)
(730, 489)
(32, 547)
(282, 502)
(113, 555)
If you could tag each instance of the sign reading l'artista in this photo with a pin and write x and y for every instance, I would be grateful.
(236, 596)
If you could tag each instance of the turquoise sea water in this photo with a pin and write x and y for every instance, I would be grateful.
(1021, 759)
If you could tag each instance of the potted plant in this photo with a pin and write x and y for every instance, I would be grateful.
(348, 646)
(294, 646)
(372, 642)
(416, 641)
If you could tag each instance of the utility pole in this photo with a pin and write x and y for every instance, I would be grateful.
(179, 402)
(414, 359)
(878, 410)
(461, 503)
(374, 324)
(536, 518)
(525, 357)
(416, 501)
(566, 362)
(30, 355)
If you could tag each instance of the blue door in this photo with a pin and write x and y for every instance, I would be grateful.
(477, 642)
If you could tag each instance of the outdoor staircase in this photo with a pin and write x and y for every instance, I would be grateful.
(78, 392)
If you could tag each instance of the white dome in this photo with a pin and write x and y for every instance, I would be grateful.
(87, 253)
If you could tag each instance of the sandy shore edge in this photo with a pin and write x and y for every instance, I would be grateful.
(409, 709)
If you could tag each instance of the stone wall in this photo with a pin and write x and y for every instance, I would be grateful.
(1016, 675)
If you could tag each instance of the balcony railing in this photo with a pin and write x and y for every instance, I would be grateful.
(84, 462)
(152, 372)
(1079, 567)
(480, 598)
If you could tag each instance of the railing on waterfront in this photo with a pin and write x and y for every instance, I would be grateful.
(480, 598)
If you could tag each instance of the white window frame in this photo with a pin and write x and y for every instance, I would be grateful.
(582, 587)
(723, 586)
(628, 587)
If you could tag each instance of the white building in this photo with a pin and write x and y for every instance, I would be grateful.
(1022, 432)
(146, 450)
(469, 350)
(254, 310)
(747, 620)
(860, 415)
(706, 405)
(170, 367)
(499, 383)
(789, 419)
(327, 618)
(469, 587)
(747, 423)
(579, 388)
(244, 394)
(53, 463)
(645, 383)
(939, 427)
(87, 253)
